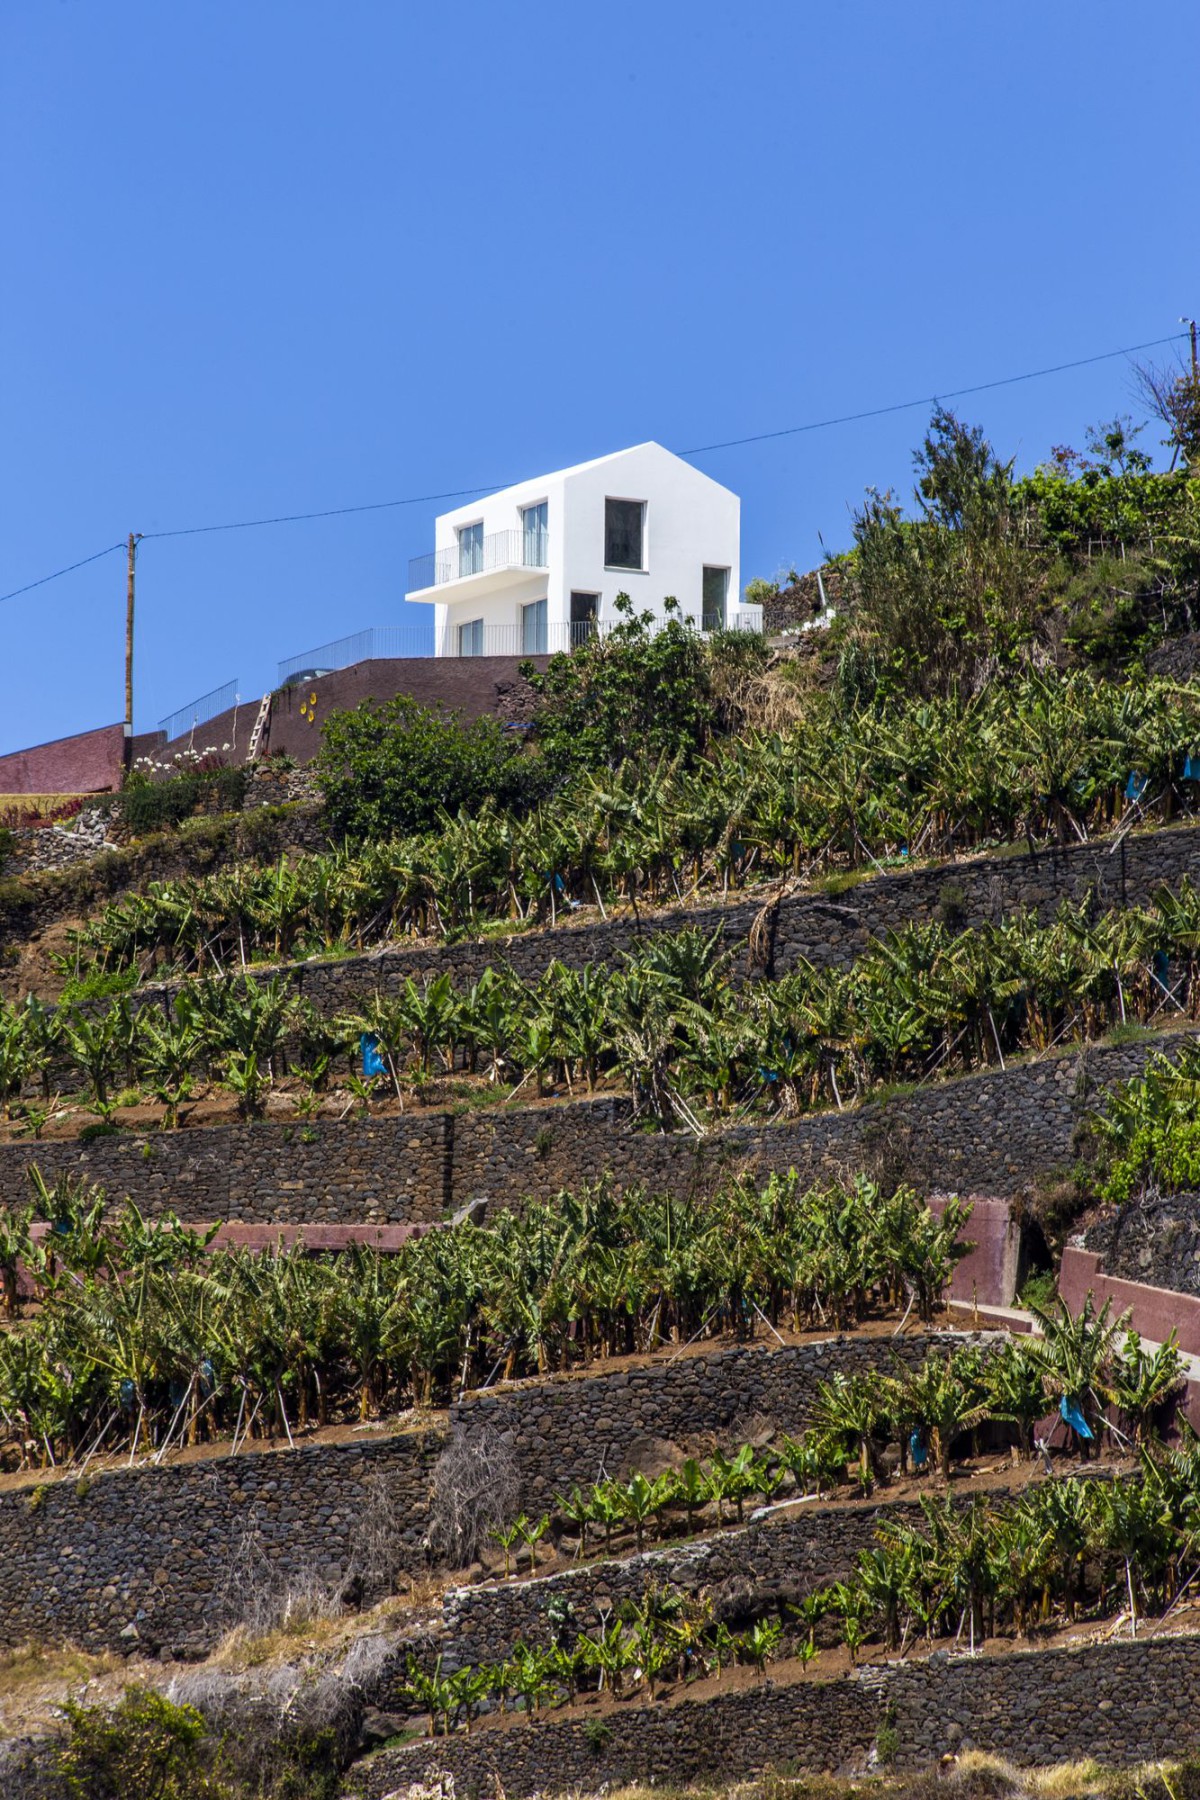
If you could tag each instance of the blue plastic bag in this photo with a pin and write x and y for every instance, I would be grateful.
(372, 1057)
(1074, 1418)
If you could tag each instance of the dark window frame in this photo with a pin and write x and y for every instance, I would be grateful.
(614, 533)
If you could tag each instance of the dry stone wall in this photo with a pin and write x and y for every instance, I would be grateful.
(813, 927)
(1116, 1703)
(988, 1133)
(585, 1428)
(787, 1554)
(1155, 1241)
(150, 1558)
(391, 1171)
(143, 1558)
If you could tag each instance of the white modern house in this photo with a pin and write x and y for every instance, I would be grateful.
(537, 568)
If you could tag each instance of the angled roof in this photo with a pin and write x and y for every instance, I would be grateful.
(596, 462)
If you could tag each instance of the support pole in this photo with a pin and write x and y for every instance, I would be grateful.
(127, 746)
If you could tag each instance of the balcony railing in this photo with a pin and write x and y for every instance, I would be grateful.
(531, 638)
(499, 550)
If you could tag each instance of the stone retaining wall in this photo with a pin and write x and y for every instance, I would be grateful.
(378, 1171)
(141, 1558)
(31, 902)
(584, 1428)
(989, 1133)
(1154, 1241)
(809, 926)
(1117, 1703)
(789, 1553)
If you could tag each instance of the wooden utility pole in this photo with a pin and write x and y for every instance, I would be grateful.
(127, 748)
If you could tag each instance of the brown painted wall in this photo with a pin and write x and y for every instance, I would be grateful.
(473, 685)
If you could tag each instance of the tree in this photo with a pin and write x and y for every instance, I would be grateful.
(389, 768)
(1172, 394)
(641, 691)
(943, 597)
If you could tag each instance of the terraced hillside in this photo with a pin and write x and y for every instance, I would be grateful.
(564, 1292)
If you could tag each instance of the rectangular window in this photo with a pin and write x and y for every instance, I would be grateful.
(714, 593)
(470, 548)
(470, 638)
(624, 534)
(584, 611)
(533, 629)
(534, 535)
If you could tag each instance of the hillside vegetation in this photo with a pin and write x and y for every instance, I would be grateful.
(986, 682)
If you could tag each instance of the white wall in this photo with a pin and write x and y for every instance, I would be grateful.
(691, 521)
(496, 609)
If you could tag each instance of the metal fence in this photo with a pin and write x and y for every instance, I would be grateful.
(536, 637)
(474, 556)
(206, 707)
(362, 646)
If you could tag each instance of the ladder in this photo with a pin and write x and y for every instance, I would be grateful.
(260, 726)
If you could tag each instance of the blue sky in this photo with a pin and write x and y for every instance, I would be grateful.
(300, 254)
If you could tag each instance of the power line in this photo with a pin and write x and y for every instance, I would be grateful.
(332, 512)
(69, 570)
(760, 437)
(982, 387)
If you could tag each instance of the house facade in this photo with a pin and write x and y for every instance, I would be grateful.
(537, 568)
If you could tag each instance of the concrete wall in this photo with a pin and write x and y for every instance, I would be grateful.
(1154, 1312)
(990, 1272)
(1118, 1703)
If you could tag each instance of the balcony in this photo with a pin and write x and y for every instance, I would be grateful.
(474, 568)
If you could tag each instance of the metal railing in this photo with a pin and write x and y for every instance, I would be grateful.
(520, 639)
(378, 641)
(499, 550)
(199, 711)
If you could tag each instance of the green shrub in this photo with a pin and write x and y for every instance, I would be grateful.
(97, 983)
(1148, 1132)
(149, 1748)
(640, 691)
(389, 769)
(1040, 1290)
(146, 806)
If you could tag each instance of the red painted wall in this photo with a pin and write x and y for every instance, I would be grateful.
(88, 763)
(472, 685)
(1153, 1312)
(988, 1273)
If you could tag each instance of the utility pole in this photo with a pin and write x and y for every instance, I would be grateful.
(127, 748)
(1195, 368)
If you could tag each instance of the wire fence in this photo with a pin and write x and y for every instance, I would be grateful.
(362, 646)
(198, 711)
